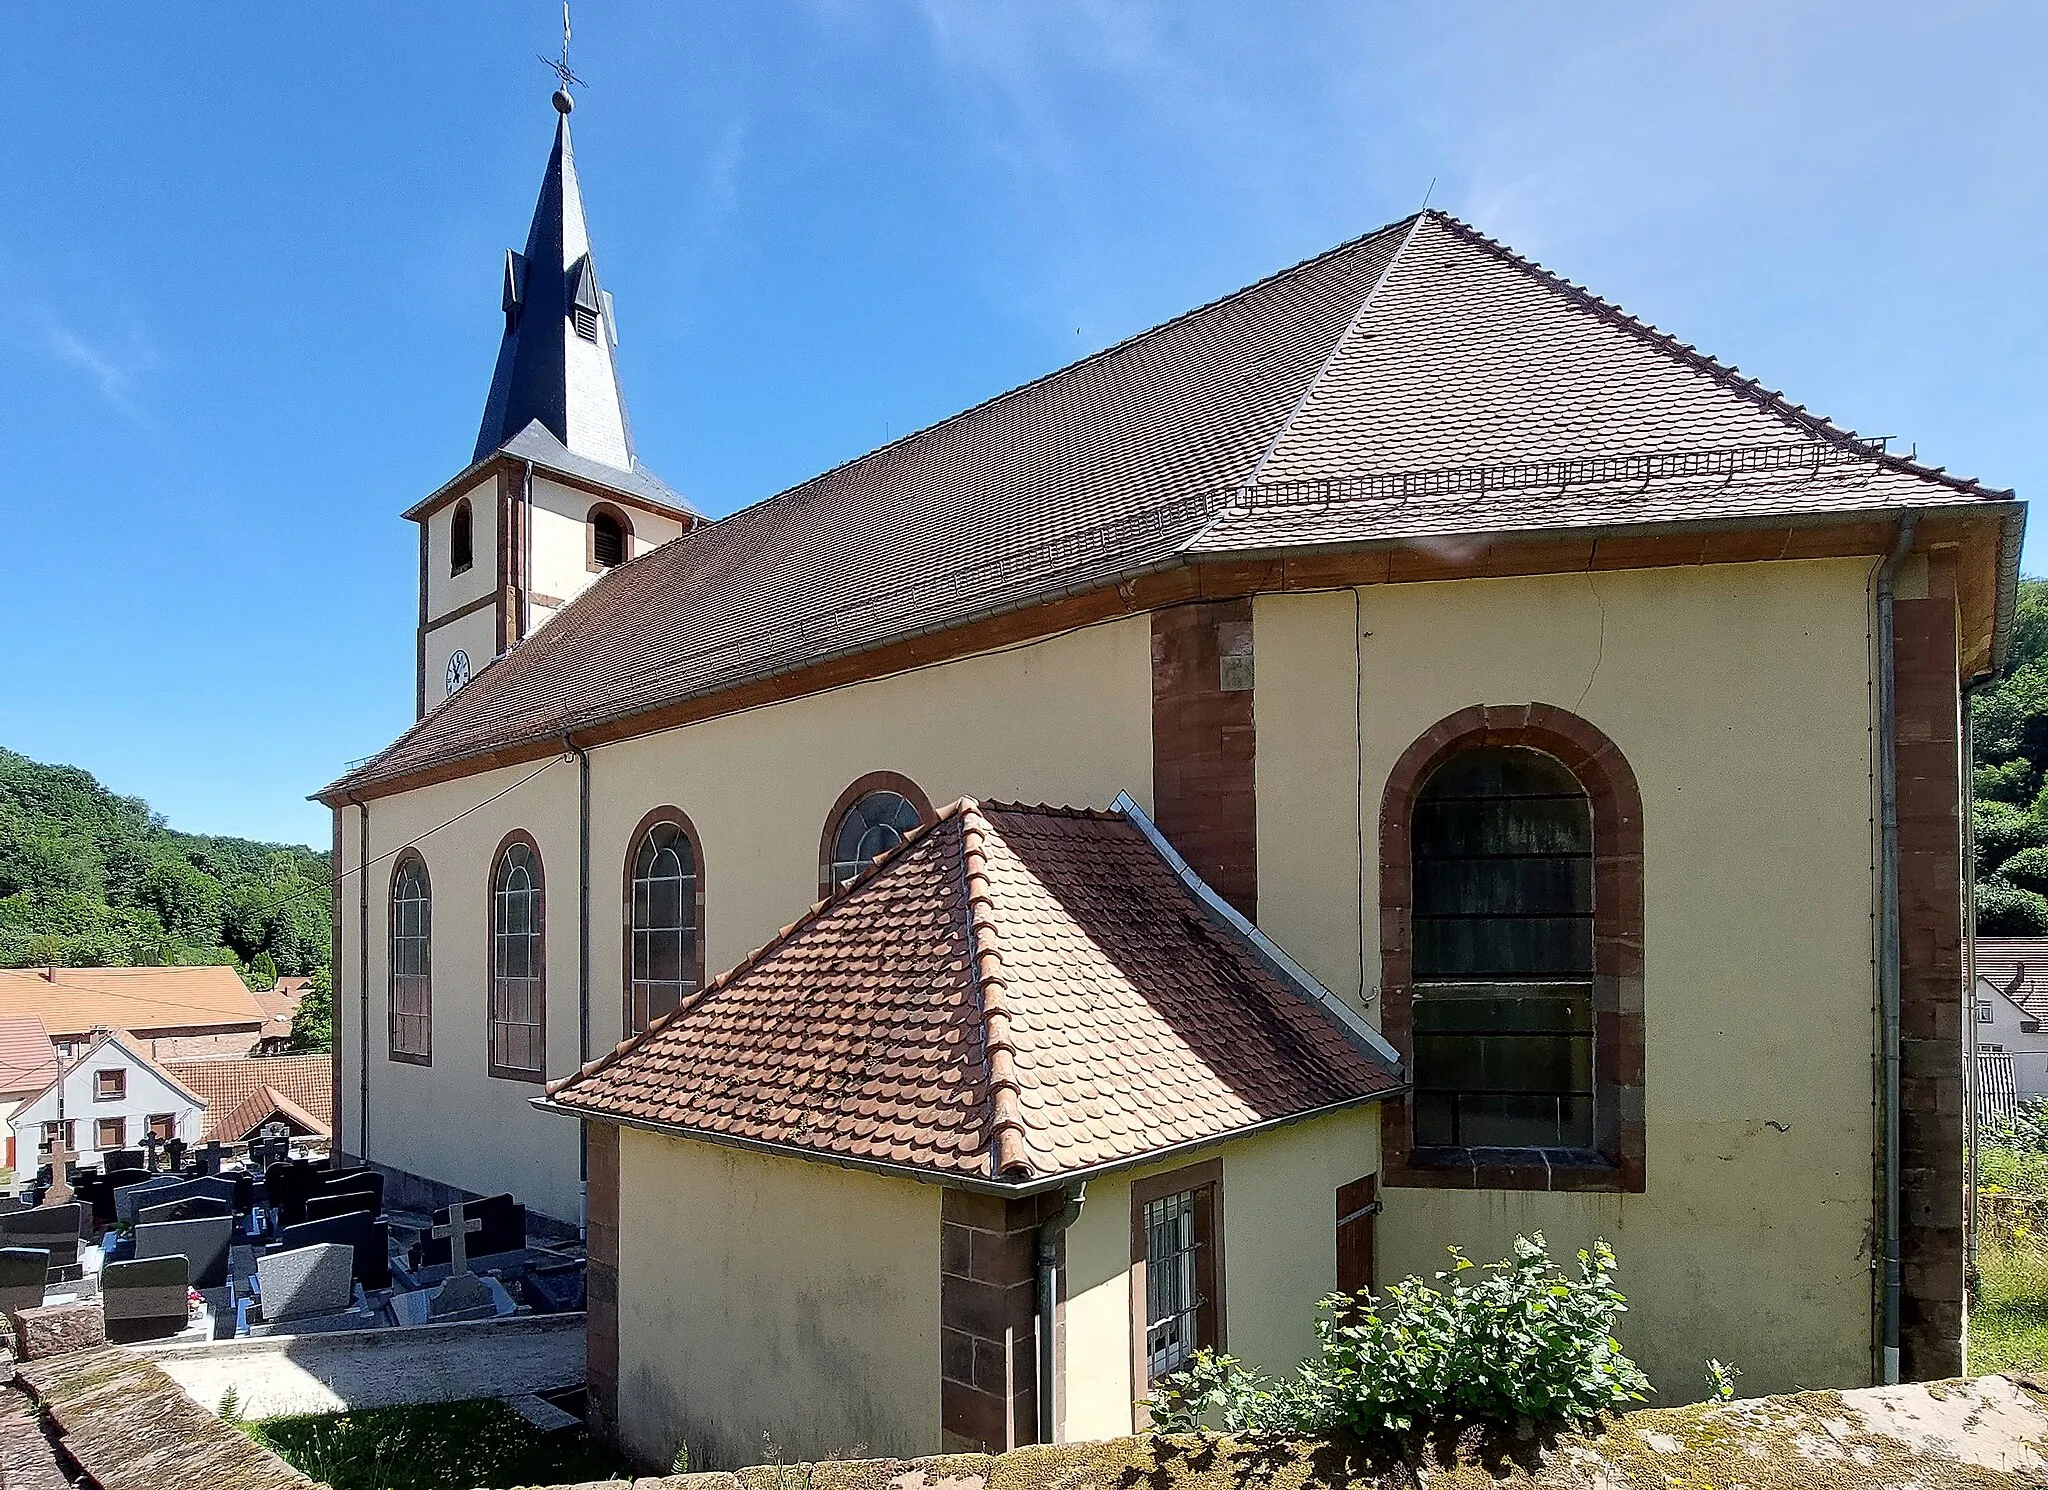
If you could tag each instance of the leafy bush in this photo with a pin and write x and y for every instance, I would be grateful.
(2011, 782)
(2003, 830)
(2026, 1136)
(2004, 909)
(2027, 870)
(1518, 1339)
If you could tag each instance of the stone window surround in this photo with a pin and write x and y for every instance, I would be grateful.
(874, 781)
(1618, 1023)
(491, 1067)
(641, 829)
(411, 1058)
(109, 1086)
(1205, 1176)
(100, 1127)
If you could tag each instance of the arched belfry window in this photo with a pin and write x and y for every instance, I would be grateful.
(412, 961)
(871, 817)
(664, 918)
(1503, 928)
(461, 542)
(519, 969)
(1511, 926)
(610, 539)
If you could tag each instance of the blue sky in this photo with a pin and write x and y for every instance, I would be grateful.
(251, 255)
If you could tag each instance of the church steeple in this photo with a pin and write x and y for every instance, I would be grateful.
(556, 362)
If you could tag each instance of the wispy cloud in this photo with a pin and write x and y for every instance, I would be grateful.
(112, 365)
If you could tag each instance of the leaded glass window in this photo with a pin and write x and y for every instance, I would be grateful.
(412, 911)
(664, 924)
(518, 1034)
(1503, 954)
(872, 826)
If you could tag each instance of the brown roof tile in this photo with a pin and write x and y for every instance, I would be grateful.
(225, 1083)
(2006, 961)
(1421, 349)
(131, 998)
(1015, 993)
(28, 1061)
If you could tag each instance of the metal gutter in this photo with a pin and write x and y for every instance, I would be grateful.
(1888, 972)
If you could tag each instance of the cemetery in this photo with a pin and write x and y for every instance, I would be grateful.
(172, 1245)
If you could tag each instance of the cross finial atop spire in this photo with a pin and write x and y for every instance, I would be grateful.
(563, 103)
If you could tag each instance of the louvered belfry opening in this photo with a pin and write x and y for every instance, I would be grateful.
(607, 540)
(1503, 928)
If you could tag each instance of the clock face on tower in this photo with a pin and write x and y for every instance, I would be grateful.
(458, 671)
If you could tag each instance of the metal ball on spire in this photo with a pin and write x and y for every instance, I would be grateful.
(563, 102)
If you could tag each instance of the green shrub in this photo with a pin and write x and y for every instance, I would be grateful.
(1516, 1340)
(2003, 830)
(2004, 909)
(2027, 869)
(2013, 781)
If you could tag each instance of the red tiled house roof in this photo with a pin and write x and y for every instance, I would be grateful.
(28, 1061)
(225, 1084)
(261, 1106)
(1421, 384)
(2019, 966)
(1015, 993)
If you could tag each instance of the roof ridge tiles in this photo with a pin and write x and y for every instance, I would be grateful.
(760, 954)
(1008, 1145)
(1773, 400)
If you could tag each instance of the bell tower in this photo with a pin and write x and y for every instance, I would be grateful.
(555, 495)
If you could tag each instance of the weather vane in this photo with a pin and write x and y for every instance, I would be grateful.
(561, 69)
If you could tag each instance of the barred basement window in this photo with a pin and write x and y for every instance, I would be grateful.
(1176, 1270)
(518, 996)
(1503, 954)
(411, 1029)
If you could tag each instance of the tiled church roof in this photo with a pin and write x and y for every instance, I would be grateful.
(1015, 993)
(1418, 384)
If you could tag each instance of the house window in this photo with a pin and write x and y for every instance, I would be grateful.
(411, 1004)
(460, 542)
(518, 996)
(610, 535)
(109, 1086)
(874, 824)
(1984, 1014)
(664, 907)
(1511, 897)
(1176, 1271)
(163, 1126)
(1503, 949)
(70, 1136)
(110, 1133)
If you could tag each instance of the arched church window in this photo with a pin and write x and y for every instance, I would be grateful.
(664, 919)
(460, 543)
(875, 822)
(519, 967)
(412, 961)
(608, 534)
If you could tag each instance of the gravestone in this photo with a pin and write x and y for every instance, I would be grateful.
(54, 1229)
(59, 1192)
(166, 1188)
(144, 1299)
(370, 1238)
(209, 1156)
(23, 1272)
(150, 1144)
(191, 1208)
(174, 1153)
(202, 1243)
(285, 1188)
(320, 1207)
(503, 1230)
(349, 1182)
(305, 1282)
(464, 1290)
(145, 1189)
(557, 1289)
(121, 1161)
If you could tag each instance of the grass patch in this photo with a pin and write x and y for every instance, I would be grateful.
(434, 1447)
(2009, 1325)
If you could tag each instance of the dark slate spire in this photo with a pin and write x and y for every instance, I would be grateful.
(555, 364)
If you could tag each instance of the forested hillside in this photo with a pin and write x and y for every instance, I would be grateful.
(2011, 778)
(89, 879)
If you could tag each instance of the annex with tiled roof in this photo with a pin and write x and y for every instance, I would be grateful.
(227, 1084)
(1015, 993)
(1420, 385)
(147, 1001)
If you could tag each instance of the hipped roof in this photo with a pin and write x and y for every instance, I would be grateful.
(1421, 384)
(1015, 994)
(81, 999)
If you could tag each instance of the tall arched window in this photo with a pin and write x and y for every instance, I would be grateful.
(519, 967)
(610, 538)
(871, 817)
(412, 962)
(664, 918)
(460, 542)
(1503, 948)
(1511, 926)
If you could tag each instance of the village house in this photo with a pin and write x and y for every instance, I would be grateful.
(1504, 774)
(2010, 1005)
(111, 1096)
(174, 1012)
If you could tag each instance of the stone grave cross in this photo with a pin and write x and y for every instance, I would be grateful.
(149, 1146)
(61, 1156)
(457, 1231)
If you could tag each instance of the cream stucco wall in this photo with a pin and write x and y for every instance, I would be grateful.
(445, 591)
(1279, 1257)
(1067, 720)
(474, 635)
(763, 1295)
(1740, 696)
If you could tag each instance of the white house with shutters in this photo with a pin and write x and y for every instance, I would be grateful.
(2011, 1007)
(111, 1097)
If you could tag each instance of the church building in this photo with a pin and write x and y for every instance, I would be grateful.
(1401, 756)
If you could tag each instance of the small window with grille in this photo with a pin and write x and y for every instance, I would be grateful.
(1177, 1274)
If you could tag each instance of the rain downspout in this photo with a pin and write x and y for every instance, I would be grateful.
(1049, 1233)
(582, 967)
(1888, 937)
(363, 973)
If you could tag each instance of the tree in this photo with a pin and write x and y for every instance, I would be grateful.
(313, 1024)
